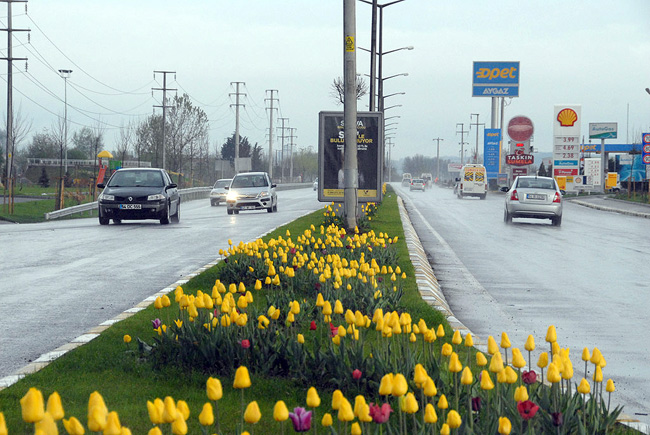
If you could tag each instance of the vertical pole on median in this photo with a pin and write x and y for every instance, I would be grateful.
(350, 167)
(603, 165)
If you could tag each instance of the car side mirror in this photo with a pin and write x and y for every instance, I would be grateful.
(563, 192)
(101, 185)
(274, 185)
(504, 189)
(226, 187)
(457, 179)
(171, 186)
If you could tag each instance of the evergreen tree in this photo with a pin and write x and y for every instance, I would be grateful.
(542, 170)
(44, 180)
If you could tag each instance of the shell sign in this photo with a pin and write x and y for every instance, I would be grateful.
(567, 117)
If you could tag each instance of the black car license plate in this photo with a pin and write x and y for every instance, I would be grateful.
(248, 207)
(536, 196)
(130, 206)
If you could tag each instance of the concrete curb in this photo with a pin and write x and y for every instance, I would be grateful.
(611, 209)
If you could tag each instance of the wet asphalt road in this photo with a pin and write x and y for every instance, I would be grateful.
(59, 279)
(590, 278)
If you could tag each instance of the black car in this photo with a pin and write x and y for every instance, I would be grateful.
(139, 193)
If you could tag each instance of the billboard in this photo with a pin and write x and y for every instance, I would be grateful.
(566, 141)
(603, 130)
(495, 79)
(491, 147)
(370, 152)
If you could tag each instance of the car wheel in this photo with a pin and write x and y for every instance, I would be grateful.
(103, 221)
(556, 221)
(483, 196)
(507, 217)
(275, 207)
(117, 221)
(235, 211)
(213, 203)
(165, 219)
(229, 211)
(177, 217)
(270, 209)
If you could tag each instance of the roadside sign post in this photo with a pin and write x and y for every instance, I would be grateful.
(646, 156)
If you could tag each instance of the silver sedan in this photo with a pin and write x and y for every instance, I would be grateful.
(533, 197)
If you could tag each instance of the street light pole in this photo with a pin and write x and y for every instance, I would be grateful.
(65, 73)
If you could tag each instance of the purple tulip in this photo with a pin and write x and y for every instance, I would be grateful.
(156, 323)
(301, 419)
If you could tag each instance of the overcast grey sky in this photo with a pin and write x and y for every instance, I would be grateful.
(595, 53)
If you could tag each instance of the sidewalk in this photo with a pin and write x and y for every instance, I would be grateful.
(605, 203)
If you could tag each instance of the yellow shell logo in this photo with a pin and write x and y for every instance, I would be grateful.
(567, 117)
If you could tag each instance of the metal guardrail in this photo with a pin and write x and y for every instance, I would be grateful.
(189, 194)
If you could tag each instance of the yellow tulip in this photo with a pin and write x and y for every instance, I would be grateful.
(446, 349)
(610, 387)
(505, 427)
(486, 381)
(543, 360)
(252, 414)
(480, 359)
(502, 377)
(3, 425)
(505, 341)
(455, 365)
(206, 417)
(553, 374)
(467, 378)
(313, 400)
(521, 394)
(586, 356)
(170, 413)
(154, 431)
(242, 378)
(97, 419)
(32, 405)
(530, 343)
(429, 387)
(338, 307)
(457, 339)
(213, 389)
(181, 406)
(327, 420)
(596, 356)
(444, 430)
(46, 425)
(584, 387)
(496, 363)
(442, 402)
(301, 339)
(72, 426)
(419, 375)
(492, 346)
(598, 374)
(469, 341)
(54, 406)
(127, 338)
(567, 369)
(453, 419)
(430, 415)
(400, 386)
(113, 426)
(337, 398)
(440, 332)
(179, 426)
(345, 411)
(411, 404)
(280, 411)
(386, 385)
(551, 335)
(517, 358)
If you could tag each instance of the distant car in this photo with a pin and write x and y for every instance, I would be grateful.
(251, 191)
(533, 197)
(406, 179)
(472, 182)
(417, 184)
(219, 192)
(139, 193)
(316, 184)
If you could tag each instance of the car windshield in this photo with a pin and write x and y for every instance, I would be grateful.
(249, 181)
(136, 179)
(221, 184)
(536, 183)
(418, 181)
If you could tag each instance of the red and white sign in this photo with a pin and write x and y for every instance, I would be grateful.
(519, 159)
(564, 171)
(520, 128)
(646, 148)
(566, 141)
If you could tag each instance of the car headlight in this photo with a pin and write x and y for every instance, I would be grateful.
(156, 197)
(232, 196)
(105, 197)
(262, 194)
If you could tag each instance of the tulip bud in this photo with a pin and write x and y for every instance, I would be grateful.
(492, 346)
(505, 341)
(313, 401)
(206, 417)
(113, 426)
(429, 387)
(598, 374)
(505, 427)
(72, 426)
(420, 375)
(480, 359)
(446, 349)
(486, 381)
(584, 387)
(440, 331)
(553, 374)
(551, 335)
(252, 414)
(543, 360)
(345, 411)
(430, 415)
(467, 378)
(469, 341)
(54, 406)
(530, 344)
(32, 406)
(411, 406)
(46, 425)
(454, 363)
(610, 388)
(517, 358)
(400, 386)
(596, 356)
(521, 394)
(496, 363)
(242, 378)
(456, 339)
(442, 402)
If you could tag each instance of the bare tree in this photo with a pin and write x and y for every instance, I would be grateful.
(338, 89)
(188, 126)
(124, 141)
(20, 128)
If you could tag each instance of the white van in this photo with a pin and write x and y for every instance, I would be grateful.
(472, 181)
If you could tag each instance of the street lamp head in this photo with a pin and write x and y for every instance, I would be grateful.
(647, 90)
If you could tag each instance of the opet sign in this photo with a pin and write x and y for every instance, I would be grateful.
(495, 79)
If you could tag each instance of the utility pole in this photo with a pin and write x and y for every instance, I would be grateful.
(390, 163)
(477, 126)
(282, 152)
(9, 146)
(164, 106)
(462, 141)
(271, 99)
(65, 73)
(237, 94)
(291, 136)
(438, 157)
(350, 165)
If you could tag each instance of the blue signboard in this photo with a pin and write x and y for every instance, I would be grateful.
(491, 145)
(565, 163)
(611, 147)
(632, 172)
(495, 79)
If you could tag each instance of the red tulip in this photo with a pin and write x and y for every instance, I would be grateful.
(380, 414)
(527, 409)
(245, 344)
(356, 374)
(529, 377)
(312, 325)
